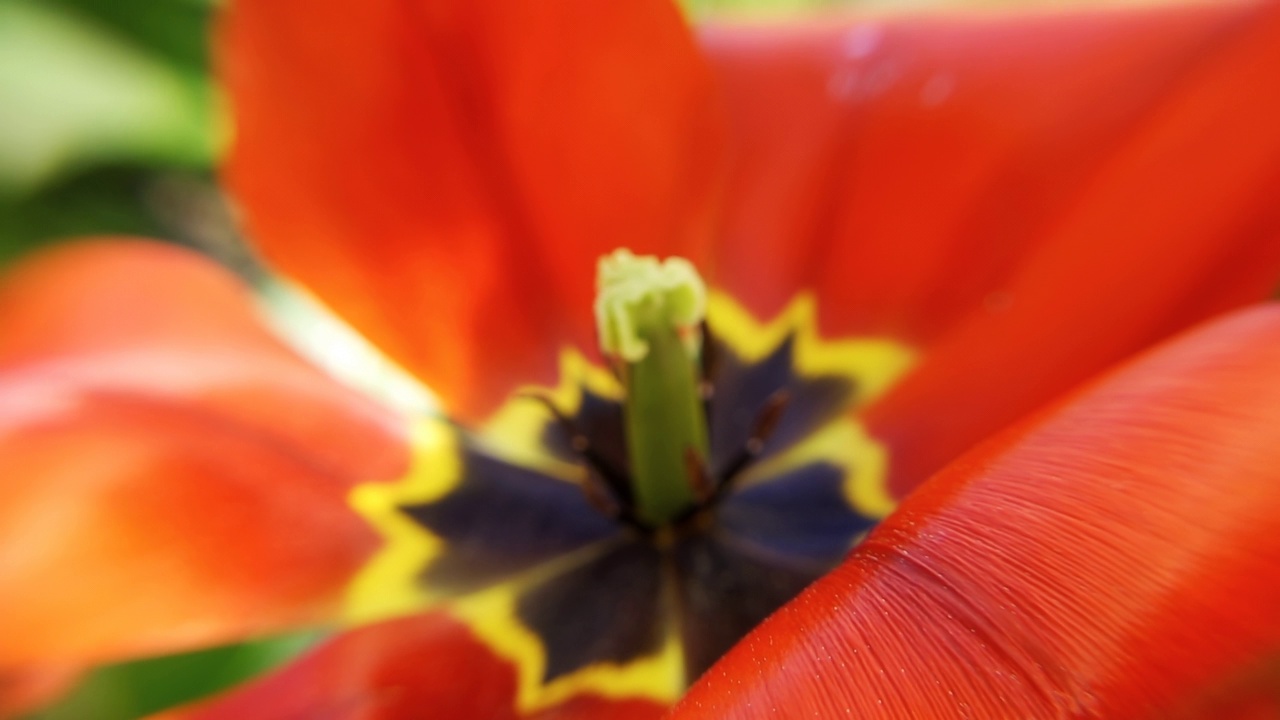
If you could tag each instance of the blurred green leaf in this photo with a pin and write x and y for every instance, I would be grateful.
(108, 200)
(74, 92)
(134, 689)
(174, 30)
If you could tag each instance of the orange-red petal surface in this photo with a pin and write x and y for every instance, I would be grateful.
(446, 174)
(170, 475)
(1117, 557)
(424, 666)
(1028, 197)
(22, 691)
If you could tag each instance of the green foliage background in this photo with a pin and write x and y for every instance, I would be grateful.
(99, 101)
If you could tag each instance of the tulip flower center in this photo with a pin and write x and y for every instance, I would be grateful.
(616, 534)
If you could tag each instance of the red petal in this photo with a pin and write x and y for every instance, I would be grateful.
(404, 669)
(1028, 197)
(446, 175)
(26, 690)
(170, 475)
(1118, 557)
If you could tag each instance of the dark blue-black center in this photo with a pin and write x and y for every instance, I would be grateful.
(599, 586)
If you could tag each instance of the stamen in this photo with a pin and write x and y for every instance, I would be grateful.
(767, 421)
(600, 495)
(762, 428)
(704, 486)
(710, 363)
(613, 480)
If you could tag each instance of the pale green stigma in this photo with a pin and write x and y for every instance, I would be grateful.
(649, 314)
(639, 295)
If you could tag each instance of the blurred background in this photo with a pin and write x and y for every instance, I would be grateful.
(111, 124)
(106, 109)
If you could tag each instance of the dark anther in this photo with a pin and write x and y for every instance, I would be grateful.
(600, 495)
(577, 439)
(761, 430)
(767, 421)
(709, 361)
(704, 486)
(618, 369)
(614, 481)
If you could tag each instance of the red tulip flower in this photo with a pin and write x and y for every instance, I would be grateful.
(701, 307)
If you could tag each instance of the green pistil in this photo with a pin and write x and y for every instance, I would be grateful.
(648, 315)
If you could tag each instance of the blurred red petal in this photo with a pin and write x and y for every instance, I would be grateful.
(446, 175)
(26, 690)
(404, 669)
(170, 475)
(1028, 197)
(1118, 556)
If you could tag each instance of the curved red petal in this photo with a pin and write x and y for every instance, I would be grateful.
(111, 293)
(400, 670)
(170, 475)
(26, 690)
(446, 175)
(1119, 556)
(1028, 197)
